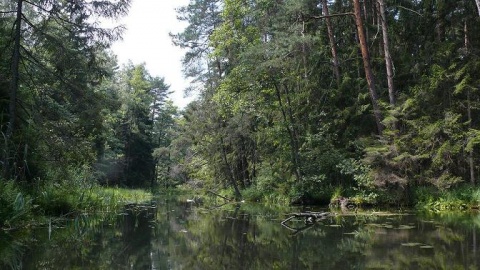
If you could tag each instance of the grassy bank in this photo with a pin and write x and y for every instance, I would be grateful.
(424, 198)
(24, 206)
(461, 198)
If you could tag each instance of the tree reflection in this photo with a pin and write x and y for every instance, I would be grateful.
(177, 235)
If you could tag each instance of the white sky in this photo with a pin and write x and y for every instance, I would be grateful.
(146, 40)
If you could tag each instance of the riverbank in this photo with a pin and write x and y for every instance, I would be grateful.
(23, 207)
(461, 198)
(422, 198)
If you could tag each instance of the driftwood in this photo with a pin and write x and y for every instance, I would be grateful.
(218, 195)
(310, 219)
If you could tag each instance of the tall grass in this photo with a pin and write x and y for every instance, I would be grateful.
(62, 193)
(460, 198)
(76, 191)
(15, 205)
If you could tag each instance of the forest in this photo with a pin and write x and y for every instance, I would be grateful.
(299, 102)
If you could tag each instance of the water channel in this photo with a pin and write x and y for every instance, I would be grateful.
(172, 233)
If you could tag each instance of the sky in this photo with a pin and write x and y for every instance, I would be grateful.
(146, 40)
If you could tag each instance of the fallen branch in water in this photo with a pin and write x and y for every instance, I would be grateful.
(310, 217)
(218, 195)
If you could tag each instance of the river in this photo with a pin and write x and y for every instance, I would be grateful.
(172, 233)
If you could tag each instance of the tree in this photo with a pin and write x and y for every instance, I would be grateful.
(203, 17)
(367, 66)
(271, 117)
(331, 38)
(388, 57)
(40, 28)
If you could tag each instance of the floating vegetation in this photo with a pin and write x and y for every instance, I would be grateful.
(412, 244)
(406, 227)
(388, 225)
(420, 245)
(377, 225)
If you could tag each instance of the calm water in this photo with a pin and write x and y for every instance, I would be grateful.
(174, 234)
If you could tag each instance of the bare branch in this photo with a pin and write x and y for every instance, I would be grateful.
(332, 15)
(7, 12)
(411, 10)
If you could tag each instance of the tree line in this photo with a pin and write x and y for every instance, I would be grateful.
(298, 100)
(65, 103)
(307, 99)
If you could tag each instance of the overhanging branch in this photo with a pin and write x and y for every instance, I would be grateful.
(331, 15)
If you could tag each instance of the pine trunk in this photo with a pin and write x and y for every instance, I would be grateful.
(478, 6)
(290, 127)
(471, 163)
(331, 38)
(388, 57)
(231, 175)
(14, 84)
(366, 64)
(15, 71)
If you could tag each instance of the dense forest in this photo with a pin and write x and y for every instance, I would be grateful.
(311, 100)
(298, 102)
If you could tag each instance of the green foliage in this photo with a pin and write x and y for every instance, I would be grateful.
(461, 198)
(360, 173)
(66, 191)
(74, 191)
(16, 205)
(271, 123)
(269, 118)
(253, 194)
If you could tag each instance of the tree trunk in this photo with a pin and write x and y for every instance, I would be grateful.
(14, 85)
(304, 52)
(388, 57)
(474, 242)
(366, 64)
(15, 71)
(471, 163)
(331, 38)
(294, 133)
(291, 133)
(478, 6)
(231, 176)
(440, 20)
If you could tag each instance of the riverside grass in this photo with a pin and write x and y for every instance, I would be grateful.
(22, 207)
(460, 198)
(62, 201)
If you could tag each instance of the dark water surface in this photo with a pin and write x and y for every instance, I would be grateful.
(174, 234)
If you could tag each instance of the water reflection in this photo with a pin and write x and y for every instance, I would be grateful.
(176, 234)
